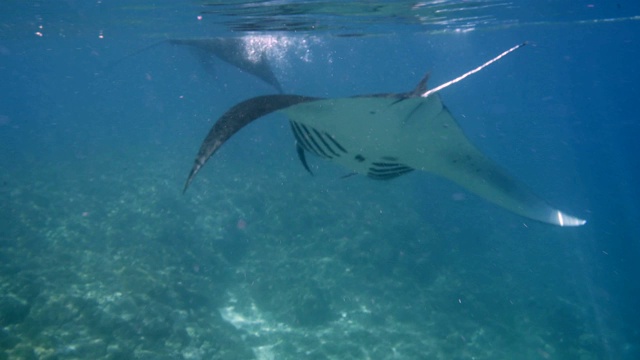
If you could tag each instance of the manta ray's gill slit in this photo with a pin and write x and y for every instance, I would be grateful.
(385, 171)
(386, 165)
(330, 137)
(384, 175)
(298, 137)
(325, 143)
(302, 139)
(315, 143)
(312, 144)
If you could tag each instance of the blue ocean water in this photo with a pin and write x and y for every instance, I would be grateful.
(103, 257)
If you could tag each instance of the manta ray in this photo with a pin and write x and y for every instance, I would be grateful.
(231, 50)
(384, 136)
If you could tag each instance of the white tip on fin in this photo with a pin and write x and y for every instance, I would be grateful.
(568, 220)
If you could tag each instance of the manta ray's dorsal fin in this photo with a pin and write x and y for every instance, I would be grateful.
(421, 88)
(416, 92)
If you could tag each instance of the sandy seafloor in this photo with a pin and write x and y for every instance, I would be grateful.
(103, 257)
(142, 272)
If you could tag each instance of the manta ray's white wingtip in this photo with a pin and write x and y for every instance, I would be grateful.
(563, 219)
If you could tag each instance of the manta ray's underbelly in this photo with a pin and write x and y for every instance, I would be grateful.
(360, 160)
(375, 136)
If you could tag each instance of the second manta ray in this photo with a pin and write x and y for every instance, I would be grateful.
(384, 136)
(231, 50)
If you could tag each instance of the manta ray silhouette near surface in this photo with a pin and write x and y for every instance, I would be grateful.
(384, 136)
(230, 50)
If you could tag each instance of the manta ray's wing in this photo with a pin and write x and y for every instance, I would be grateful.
(233, 51)
(384, 137)
(235, 119)
(387, 135)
